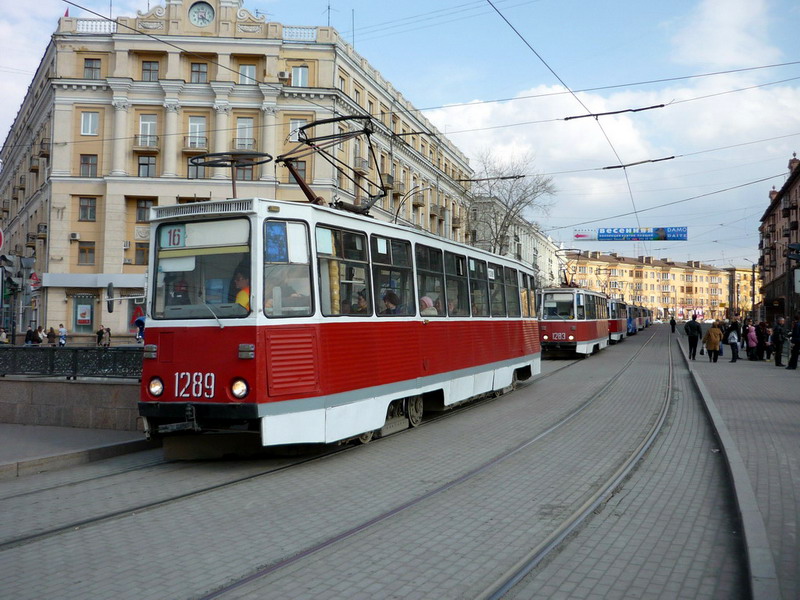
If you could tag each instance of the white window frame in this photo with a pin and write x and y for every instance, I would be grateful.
(90, 122)
(247, 74)
(300, 76)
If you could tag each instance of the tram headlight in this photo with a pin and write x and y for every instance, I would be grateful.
(239, 388)
(156, 386)
(545, 337)
(571, 338)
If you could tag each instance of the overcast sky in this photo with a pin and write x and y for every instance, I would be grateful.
(505, 75)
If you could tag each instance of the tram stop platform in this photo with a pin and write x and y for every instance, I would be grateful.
(30, 449)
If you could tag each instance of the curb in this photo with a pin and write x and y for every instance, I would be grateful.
(764, 583)
(59, 461)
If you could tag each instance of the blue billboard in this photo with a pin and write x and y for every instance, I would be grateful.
(637, 234)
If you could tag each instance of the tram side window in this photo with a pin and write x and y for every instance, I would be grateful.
(430, 281)
(496, 290)
(287, 270)
(456, 286)
(523, 293)
(512, 292)
(580, 306)
(591, 306)
(343, 272)
(392, 276)
(478, 288)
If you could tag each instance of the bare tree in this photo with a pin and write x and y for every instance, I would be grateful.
(505, 192)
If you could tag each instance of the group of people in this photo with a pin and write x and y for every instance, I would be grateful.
(38, 336)
(759, 341)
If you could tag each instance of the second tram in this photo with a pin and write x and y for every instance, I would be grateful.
(573, 320)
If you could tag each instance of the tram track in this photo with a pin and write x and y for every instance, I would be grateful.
(543, 548)
(164, 468)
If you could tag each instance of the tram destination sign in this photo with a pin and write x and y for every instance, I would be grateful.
(631, 234)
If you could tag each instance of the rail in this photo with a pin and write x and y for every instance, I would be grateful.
(72, 362)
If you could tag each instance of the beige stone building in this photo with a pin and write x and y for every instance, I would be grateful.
(668, 288)
(116, 110)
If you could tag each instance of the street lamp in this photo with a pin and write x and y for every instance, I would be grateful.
(752, 290)
(414, 190)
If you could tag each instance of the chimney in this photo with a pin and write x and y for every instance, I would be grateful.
(614, 254)
(773, 192)
(793, 162)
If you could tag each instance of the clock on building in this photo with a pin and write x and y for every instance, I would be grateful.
(201, 14)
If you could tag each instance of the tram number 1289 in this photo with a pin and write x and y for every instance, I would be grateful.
(194, 385)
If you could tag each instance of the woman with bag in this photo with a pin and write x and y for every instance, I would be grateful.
(712, 340)
(732, 335)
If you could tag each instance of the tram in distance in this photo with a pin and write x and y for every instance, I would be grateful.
(617, 320)
(302, 323)
(573, 320)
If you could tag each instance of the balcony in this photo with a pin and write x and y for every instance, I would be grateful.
(785, 212)
(388, 181)
(399, 188)
(41, 231)
(44, 148)
(793, 226)
(6, 207)
(786, 232)
(33, 166)
(145, 143)
(361, 165)
(195, 144)
(243, 144)
(15, 193)
(437, 211)
(418, 200)
(30, 240)
(21, 182)
(456, 222)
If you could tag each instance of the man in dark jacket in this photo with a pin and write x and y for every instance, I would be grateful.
(795, 339)
(778, 338)
(694, 332)
(672, 324)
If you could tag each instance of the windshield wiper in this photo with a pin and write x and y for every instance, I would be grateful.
(211, 310)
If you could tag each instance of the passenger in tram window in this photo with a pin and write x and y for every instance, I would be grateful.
(361, 307)
(287, 286)
(241, 281)
(391, 302)
(426, 308)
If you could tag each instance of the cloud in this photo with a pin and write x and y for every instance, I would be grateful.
(726, 33)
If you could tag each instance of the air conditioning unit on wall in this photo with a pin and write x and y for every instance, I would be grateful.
(74, 236)
(126, 245)
(284, 75)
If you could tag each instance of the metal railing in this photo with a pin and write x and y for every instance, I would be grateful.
(71, 361)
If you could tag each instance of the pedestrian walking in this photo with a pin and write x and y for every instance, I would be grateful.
(29, 335)
(672, 324)
(778, 338)
(752, 341)
(106, 337)
(761, 340)
(39, 336)
(694, 332)
(100, 333)
(712, 340)
(731, 337)
(62, 335)
(795, 340)
(51, 337)
(3, 336)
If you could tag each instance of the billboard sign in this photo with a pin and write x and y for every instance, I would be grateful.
(632, 234)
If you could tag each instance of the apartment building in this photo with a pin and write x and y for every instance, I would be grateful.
(778, 229)
(117, 109)
(668, 288)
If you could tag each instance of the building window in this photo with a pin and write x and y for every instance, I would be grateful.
(247, 74)
(85, 253)
(143, 211)
(244, 134)
(150, 70)
(91, 68)
(195, 171)
(199, 73)
(88, 165)
(90, 121)
(300, 166)
(87, 209)
(147, 131)
(244, 173)
(299, 76)
(147, 166)
(142, 253)
(197, 132)
(294, 128)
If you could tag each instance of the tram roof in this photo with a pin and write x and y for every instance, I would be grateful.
(261, 207)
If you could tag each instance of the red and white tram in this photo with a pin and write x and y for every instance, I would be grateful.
(617, 320)
(573, 320)
(307, 324)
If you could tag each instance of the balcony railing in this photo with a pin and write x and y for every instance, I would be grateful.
(243, 144)
(71, 362)
(198, 143)
(148, 142)
(44, 147)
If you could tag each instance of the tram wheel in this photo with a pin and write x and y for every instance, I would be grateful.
(414, 407)
(366, 437)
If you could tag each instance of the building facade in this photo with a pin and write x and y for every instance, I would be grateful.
(668, 288)
(779, 229)
(113, 117)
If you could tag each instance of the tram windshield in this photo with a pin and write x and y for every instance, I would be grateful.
(558, 305)
(202, 270)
